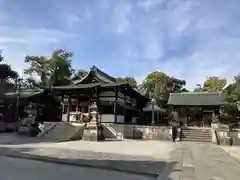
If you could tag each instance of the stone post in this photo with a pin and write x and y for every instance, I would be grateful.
(214, 126)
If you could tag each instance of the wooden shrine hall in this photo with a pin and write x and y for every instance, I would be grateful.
(117, 103)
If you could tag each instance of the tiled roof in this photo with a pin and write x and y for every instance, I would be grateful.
(100, 75)
(195, 99)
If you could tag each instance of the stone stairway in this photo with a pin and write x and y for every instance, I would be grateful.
(61, 131)
(196, 134)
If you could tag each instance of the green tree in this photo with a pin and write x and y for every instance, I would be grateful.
(158, 85)
(61, 68)
(7, 77)
(198, 88)
(79, 75)
(53, 71)
(232, 92)
(214, 84)
(127, 80)
(40, 66)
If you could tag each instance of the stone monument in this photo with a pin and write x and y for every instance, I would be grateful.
(90, 132)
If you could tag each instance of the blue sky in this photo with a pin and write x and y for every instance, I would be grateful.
(188, 39)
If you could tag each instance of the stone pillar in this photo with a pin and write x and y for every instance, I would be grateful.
(214, 127)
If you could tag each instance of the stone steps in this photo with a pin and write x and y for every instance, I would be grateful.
(61, 132)
(198, 135)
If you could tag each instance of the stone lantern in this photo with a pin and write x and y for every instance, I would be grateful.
(93, 112)
(91, 125)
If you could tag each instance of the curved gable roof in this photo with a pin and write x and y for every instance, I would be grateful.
(96, 75)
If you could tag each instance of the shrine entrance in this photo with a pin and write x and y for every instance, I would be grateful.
(195, 116)
(195, 109)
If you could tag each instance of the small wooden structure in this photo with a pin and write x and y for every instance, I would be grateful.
(154, 115)
(195, 108)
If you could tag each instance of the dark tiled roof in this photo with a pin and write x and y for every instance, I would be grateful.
(22, 94)
(100, 75)
(76, 86)
(195, 99)
(93, 85)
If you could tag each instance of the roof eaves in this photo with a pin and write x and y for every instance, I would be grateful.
(84, 77)
(96, 70)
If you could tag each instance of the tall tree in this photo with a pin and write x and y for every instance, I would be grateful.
(198, 88)
(40, 66)
(79, 75)
(232, 92)
(214, 84)
(61, 68)
(127, 80)
(158, 85)
(53, 71)
(7, 76)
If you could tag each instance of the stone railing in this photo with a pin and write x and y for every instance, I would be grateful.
(143, 132)
(221, 132)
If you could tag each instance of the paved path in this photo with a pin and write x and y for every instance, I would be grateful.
(24, 169)
(232, 150)
(196, 161)
(183, 160)
(142, 165)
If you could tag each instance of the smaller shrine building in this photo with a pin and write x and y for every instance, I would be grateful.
(195, 108)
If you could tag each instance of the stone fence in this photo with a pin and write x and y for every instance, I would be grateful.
(143, 132)
(223, 132)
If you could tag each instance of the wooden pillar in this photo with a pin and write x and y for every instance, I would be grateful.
(63, 105)
(125, 111)
(97, 102)
(153, 114)
(115, 105)
(68, 109)
(77, 105)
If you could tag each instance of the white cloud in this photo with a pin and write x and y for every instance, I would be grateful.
(147, 5)
(213, 38)
(189, 39)
(152, 46)
(72, 20)
(121, 15)
(219, 58)
(16, 43)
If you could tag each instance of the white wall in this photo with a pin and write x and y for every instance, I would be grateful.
(110, 118)
(120, 118)
(120, 94)
(107, 93)
(107, 118)
(107, 98)
(134, 120)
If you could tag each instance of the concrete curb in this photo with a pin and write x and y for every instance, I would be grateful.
(73, 162)
(232, 155)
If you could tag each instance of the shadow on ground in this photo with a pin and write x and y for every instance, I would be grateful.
(128, 164)
(15, 139)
